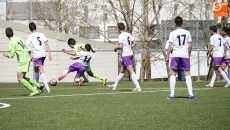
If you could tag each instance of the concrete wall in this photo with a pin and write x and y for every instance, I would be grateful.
(102, 63)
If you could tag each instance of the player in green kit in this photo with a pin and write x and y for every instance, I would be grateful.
(22, 51)
(81, 47)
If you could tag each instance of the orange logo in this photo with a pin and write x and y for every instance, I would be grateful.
(220, 9)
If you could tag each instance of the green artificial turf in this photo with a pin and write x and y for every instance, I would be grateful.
(96, 107)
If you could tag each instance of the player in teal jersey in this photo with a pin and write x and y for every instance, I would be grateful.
(81, 47)
(19, 48)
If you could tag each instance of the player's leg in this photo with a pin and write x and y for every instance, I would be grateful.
(174, 65)
(22, 69)
(118, 79)
(80, 71)
(185, 62)
(39, 64)
(36, 73)
(224, 66)
(71, 68)
(96, 76)
(218, 62)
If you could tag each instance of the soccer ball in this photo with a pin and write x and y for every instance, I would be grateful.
(53, 82)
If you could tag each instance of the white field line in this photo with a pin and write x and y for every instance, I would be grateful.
(92, 94)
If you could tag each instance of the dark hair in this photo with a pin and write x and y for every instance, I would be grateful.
(226, 29)
(32, 26)
(178, 21)
(71, 41)
(121, 26)
(213, 28)
(9, 32)
(89, 48)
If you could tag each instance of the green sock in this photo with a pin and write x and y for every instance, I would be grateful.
(31, 81)
(97, 76)
(85, 79)
(27, 85)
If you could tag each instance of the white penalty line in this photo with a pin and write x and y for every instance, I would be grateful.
(92, 94)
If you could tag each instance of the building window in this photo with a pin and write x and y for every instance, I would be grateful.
(112, 32)
(89, 32)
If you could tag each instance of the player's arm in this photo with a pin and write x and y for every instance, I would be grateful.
(11, 53)
(211, 47)
(189, 48)
(74, 58)
(48, 49)
(133, 44)
(119, 47)
(169, 51)
(69, 53)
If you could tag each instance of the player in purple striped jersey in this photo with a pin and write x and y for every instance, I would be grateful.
(126, 43)
(181, 42)
(226, 59)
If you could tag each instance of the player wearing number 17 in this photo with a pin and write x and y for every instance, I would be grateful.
(181, 42)
(81, 64)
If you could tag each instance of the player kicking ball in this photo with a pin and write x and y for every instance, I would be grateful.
(126, 43)
(81, 47)
(23, 52)
(181, 42)
(84, 58)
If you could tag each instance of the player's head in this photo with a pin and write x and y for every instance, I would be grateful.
(213, 29)
(71, 42)
(178, 21)
(225, 31)
(121, 26)
(9, 32)
(32, 26)
(88, 48)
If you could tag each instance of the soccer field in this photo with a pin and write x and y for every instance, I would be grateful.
(96, 107)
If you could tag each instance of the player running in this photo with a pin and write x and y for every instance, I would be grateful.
(22, 51)
(39, 44)
(181, 42)
(221, 54)
(126, 43)
(83, 61)
(81, 47)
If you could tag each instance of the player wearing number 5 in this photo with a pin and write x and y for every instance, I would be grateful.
(218, 48)
(19, 48)
(126, 43)
(181, 42)
(83, 61)
(39, 44)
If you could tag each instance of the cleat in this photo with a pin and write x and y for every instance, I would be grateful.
(136, 90)
(85, 81)
(80, 82)
(61, 77)
(209, 85)
(47, 91)
(226, 85)
(170, 97)
(192, 97)
(104, 81)
(112, 87)
(35, 93)
(40, 88)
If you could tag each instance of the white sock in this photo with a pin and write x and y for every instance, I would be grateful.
(135, 81)
(65, 72)
(213, 77)
(36, 75)
(77, 80)
(189, 84)
(44, 80)
(119, 77)
(225, 77)
(172, 85)
(228, 73)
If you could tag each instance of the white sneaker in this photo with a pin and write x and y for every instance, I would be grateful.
(209, 85)
(112, 87)
(226, 85)
(47, 91)
(136, 90)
